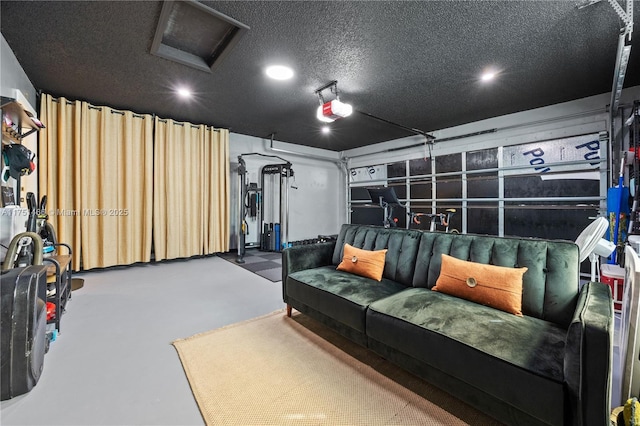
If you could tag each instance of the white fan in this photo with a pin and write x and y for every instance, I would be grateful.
(592, 245)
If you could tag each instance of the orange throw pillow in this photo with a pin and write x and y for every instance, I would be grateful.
(365, 263)
(496, 286)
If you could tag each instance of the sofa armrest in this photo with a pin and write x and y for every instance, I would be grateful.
(299, 258)
(588, 356)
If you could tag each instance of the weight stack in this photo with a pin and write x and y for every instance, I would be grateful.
(23, 325)
(272, 238)
(264, 238)
(276, 233)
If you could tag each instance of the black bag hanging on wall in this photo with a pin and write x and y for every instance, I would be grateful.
(19, 159)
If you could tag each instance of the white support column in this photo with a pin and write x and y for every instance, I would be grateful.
(434, 193)
(500, 192)
(407, 186)
(465, 204)
(605, 144)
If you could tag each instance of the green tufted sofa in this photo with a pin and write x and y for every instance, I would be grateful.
(552, 366)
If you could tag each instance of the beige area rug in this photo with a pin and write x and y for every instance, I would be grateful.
(276, 370)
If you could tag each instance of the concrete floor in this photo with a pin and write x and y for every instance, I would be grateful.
(113, 363)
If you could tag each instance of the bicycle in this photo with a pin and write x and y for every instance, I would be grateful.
(442, 219)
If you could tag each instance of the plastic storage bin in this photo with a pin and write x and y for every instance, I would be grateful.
(613, 276)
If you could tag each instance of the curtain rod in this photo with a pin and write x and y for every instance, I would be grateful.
(193, 126)
(99, 108)
(137, 115)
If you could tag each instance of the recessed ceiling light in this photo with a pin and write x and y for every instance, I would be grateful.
(184, 93)
(326, 129)
(488, 76)
(279, 72)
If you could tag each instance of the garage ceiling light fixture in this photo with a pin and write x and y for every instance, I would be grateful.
(332, 110)
(279, 72)
(488, 76)
(184, 93)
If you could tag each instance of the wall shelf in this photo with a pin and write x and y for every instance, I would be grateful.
(19, 124)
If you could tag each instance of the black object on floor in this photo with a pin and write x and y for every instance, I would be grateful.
(264, 263)
(23, 325)
(77, 283)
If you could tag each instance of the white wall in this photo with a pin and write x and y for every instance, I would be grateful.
(16, 85)
(13, 76)
(316, 207)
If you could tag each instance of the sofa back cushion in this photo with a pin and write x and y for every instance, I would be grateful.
(550, 285)
(401, 244)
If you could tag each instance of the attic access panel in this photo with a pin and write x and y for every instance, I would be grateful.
(195, 35)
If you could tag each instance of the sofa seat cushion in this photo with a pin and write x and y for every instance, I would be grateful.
(516, 359)
(340, 295)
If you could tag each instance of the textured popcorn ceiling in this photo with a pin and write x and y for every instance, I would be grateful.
(414, 63)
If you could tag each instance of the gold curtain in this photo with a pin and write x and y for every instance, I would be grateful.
(217, 213)
(117, 192)
(191, 190)
(97, 172)
(58, 163)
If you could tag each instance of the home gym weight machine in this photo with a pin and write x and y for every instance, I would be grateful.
(269, 202)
